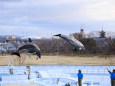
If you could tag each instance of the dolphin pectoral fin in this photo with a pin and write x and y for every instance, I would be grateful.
(75, 49)
(38, 54)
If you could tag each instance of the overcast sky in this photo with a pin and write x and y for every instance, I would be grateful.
(48, 17)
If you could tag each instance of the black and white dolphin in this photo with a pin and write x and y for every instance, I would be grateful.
(72, 41)
(31, 48)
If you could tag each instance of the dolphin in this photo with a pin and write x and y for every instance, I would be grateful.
(31, 48)
(72, 41)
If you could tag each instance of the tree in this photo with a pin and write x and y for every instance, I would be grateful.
(90, 45)
(113, 47)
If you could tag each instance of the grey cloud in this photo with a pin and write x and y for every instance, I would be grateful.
(50, 15)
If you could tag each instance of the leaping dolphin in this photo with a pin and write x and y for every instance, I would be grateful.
(31, 48)
(72, 41)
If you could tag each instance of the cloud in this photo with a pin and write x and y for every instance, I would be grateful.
(102, 11)
(55, 16)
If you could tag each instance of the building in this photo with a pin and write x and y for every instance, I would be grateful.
(102, 34)
(102, 40)
(9, 43)
(80, 35)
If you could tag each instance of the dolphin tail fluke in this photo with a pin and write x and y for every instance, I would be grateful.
(16, 53)
(58, 35)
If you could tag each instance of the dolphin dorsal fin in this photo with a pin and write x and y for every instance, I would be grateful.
(30, 40)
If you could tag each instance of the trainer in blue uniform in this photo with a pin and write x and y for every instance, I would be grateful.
(112, 76)
(80, 77)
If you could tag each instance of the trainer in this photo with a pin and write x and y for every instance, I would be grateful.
(80, 77)
(112, 76)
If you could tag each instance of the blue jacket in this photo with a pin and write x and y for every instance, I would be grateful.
(80, 75)
(112, 75)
